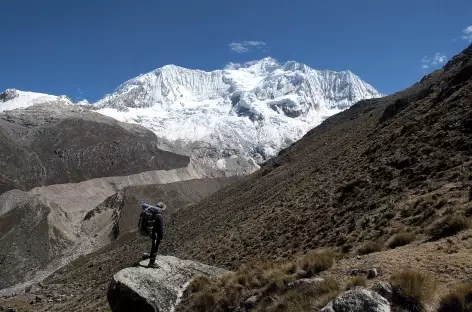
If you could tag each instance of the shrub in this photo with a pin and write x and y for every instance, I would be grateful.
(277, 280)
(458, 300)
(356, 281)
(346, 247)
(468, 210)
(369, 247)
(440, 203)
(267, 280)
(302, 298)
(317, 261)
(401, 239)
(198, 283)
(389, 215)
(329, 285)
(204, 301)
(412, 289)
(448, 226)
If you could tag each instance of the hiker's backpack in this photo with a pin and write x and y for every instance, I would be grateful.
(146, 220)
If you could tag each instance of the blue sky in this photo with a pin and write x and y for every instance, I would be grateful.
(86, 48)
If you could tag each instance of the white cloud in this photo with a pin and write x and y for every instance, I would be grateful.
(232, 65)
(246, 46)
(467, 33)
(425, 62)
(439, 59)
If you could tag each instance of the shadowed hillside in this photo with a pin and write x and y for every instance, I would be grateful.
(55, 143)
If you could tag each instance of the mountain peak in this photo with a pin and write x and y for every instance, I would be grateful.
(8, 94)
(13, 98)
(247, 111)
(263, 66)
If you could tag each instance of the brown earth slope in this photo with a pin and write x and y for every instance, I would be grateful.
(54, 143)
(382, 166)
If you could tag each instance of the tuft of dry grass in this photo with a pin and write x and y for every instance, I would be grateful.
(316, 261)
(277, 280)
(400, 239)
(412, 289)
(356, 281)
(198, 283)
(369, 247)
(448, 226)
(269, 281)
(458, 300)
(308, 297)
(204, 301)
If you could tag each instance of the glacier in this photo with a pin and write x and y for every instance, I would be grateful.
(236, 118)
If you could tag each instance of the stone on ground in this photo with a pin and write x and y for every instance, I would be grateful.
(358, 300)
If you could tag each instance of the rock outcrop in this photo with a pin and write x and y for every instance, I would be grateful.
(154, 289)
(358, 300)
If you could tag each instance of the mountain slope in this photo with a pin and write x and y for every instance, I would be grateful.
(63, 222)
(384, 165)
(240, 114)
(55, 142)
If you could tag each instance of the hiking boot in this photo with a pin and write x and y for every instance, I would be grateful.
(153, 265)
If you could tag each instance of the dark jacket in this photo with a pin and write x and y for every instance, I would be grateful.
(158, 226)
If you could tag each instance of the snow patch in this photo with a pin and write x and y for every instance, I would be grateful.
(15, 99)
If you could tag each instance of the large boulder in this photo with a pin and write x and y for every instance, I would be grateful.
(154, 289)
(358, 300)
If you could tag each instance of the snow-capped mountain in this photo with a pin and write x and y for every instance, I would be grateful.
(242, 113)
(231, 119)
(13, 99)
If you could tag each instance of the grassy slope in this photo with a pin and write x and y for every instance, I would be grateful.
(383, 166)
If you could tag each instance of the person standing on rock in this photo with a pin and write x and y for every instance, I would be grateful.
(153, 219)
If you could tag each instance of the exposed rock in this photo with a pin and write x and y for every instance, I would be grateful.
(384, 289)
(355, 272)
(372, 273)
(358, 300)
(156, 290)
(301, 274)
(250, 302)
(305, 281)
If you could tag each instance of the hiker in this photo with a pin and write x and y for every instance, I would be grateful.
(151, 224)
